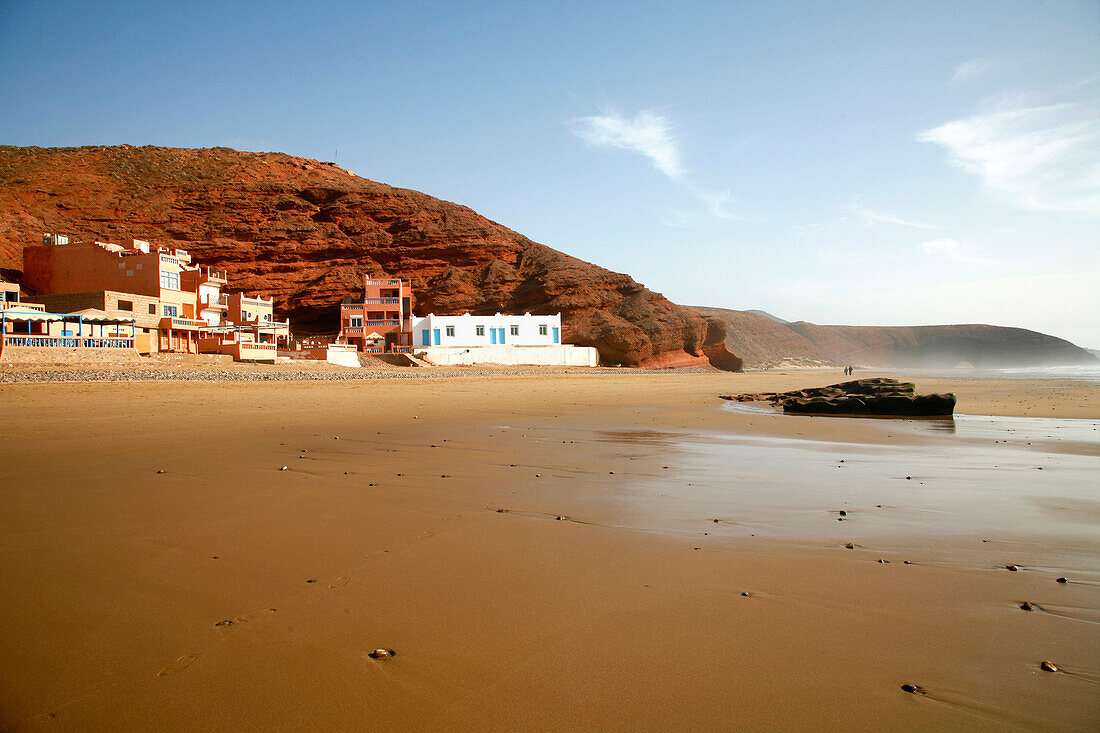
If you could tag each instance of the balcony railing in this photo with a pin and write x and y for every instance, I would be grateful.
(184, 323)
(387, 322)
(370, 283)
(10, 304)
(69, 342)
(382, 301)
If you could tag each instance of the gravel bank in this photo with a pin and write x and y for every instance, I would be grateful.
(284, 373)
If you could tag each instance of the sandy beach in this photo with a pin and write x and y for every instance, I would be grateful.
(545, 551)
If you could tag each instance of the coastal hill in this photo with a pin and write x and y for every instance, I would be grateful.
(305, 232)
(762, 340)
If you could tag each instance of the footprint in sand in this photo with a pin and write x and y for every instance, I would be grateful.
(341, 581)
(179, 665)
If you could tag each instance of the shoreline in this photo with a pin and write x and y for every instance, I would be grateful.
(230, 594)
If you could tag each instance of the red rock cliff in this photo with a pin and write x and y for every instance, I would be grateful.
(305, 232)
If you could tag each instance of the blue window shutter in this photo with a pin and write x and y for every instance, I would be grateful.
(557, 335)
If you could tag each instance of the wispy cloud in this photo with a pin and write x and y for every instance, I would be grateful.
(653, 136)
(952, 250)
(1043, 157)
(972, 69)
(871, 218)
(647, 133)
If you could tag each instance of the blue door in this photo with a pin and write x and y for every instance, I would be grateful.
(425, 338)
(500, 334)
(435, 336)
(492, 335)
(557, 335)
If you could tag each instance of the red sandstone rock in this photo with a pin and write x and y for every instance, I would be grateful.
(305, 233)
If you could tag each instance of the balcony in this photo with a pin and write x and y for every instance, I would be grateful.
(182, 324)
(210, 275)
(219, 303)
(382, 301)
(379, 283)
(386, 322)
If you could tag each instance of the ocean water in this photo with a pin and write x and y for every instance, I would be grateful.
(985, 479)
(1090, 374)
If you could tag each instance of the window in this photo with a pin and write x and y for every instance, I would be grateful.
(267, 317)
(542, 330)
(126, 305)
(152, 309)
(171, 311)
(170, 280)
(357, 321)
(479, 330)
(514, 330)
(450, 330)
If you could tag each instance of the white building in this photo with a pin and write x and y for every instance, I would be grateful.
(498, 339)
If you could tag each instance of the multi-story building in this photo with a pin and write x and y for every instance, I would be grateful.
(382, 320)
(175, 305)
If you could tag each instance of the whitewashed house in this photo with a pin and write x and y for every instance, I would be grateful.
(497, 339)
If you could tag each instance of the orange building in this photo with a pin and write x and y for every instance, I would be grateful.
(382, 320)
(177, 306)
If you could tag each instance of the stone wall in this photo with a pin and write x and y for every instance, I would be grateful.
(45, 355)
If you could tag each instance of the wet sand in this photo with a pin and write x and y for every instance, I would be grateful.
(626, 613)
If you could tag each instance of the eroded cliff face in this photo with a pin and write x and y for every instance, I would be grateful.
(305, 233)
(763, 341)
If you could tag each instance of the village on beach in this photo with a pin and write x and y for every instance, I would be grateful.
(95, 301)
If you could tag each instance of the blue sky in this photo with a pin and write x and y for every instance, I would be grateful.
(885, 163)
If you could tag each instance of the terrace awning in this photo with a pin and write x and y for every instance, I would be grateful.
(89, 315)
(36, 316)
(92, 315)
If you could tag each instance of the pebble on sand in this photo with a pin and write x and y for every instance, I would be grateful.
(912, 688)
(161, 470)
(744, 594)
(850, 546)
(1025, 606)
(284, 468)
(1060, 580)
(1047, 666)
(1012, 568)
(842, 513)
(226, 622)
(561, 517)
(502, 511)
(382, 653)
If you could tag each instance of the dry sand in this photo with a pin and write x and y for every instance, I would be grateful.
(225, 594)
